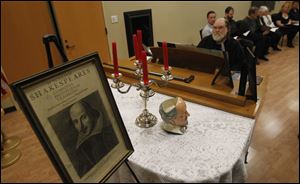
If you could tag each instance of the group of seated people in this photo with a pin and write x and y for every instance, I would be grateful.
(259, 29)
(237, 39)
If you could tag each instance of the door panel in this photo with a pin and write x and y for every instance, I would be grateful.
(23, 25)
(82, 28)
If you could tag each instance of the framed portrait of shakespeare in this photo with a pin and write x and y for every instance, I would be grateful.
(73, 113)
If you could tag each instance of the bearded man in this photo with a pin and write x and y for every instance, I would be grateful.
(229, 13)
(220, 40)
(220, 36)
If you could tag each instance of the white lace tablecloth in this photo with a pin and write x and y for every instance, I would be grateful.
(212, 149)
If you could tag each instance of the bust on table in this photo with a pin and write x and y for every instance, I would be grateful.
(174, 114)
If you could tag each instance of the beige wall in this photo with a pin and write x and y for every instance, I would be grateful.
(173, 21)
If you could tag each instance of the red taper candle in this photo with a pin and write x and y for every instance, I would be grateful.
(115, 59)
(166, 56)
(145, 67)
(140, 40)
(136, 46)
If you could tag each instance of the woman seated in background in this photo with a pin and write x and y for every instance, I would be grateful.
(266, 22)
(284, 22)
(266, 17)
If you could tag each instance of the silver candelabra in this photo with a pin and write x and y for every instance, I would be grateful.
(145, 119)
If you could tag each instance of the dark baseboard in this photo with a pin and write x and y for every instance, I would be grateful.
(10, 109)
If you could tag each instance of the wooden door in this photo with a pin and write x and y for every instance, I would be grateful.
(82, 28)
(23, 25)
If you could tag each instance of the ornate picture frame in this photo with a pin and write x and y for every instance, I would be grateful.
(73, 113)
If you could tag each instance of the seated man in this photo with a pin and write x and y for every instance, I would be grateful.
(229, 13)
(174, 114)
(219, 37)
(294, 12)
(257, 35)
(238, 60)
(211, 18)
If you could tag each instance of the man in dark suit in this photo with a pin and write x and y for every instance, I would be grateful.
(257, 35)
(238, 61)
(294, 12)
(220, 36)
(229, 13)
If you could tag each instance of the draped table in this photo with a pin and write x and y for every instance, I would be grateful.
(212, 149)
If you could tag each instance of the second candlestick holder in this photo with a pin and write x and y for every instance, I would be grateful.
(146, 119)
(167, 76)
(116, 79)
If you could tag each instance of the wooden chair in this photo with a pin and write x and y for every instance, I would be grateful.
(282, 39)
(201, 34)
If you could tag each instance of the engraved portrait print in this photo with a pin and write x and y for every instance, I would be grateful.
(85, 132)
